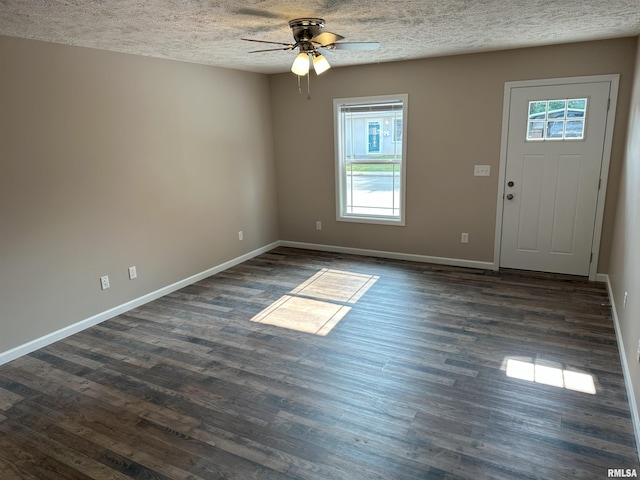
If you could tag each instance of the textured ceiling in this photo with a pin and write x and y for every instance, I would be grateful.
(210, 31)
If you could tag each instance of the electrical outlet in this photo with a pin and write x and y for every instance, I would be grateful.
(132, 273)
(104, 282)
(624, 301)
(464, 238)
(240, 235)
(318, 225)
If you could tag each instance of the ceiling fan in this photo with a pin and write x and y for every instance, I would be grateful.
(311, 41)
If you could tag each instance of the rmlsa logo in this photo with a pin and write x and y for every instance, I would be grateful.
(622, 473)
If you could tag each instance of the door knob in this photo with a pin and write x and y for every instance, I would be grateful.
(510, 196)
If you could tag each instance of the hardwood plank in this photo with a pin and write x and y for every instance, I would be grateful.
(411, 383)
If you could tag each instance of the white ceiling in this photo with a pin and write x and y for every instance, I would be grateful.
(209, 31)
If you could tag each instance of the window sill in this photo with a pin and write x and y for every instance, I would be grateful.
(371, 220)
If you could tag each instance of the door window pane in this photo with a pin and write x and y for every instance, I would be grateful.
(577, 108)
(574, 129)
(557, 109)
(536, 130)
(558, 119)
(537, 110)
(555, 129)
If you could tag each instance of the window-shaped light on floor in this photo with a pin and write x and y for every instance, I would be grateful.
(319, 303)
(550, 375)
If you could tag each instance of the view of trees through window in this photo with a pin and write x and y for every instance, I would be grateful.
(557, 119)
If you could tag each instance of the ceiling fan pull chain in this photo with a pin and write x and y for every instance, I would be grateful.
(308, 87)
(299, 87)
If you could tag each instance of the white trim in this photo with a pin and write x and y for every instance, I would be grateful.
(455, 262)
(602, 277)
(125, 307)
(614, 80)
(633, 406)
(604, 174)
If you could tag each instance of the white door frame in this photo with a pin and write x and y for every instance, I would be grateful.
(606, 157)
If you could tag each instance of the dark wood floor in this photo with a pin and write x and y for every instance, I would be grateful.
(410, 384)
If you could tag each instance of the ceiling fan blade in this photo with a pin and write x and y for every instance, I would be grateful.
(267, 41)
(326, 38)
(362, 46)
(290, 47)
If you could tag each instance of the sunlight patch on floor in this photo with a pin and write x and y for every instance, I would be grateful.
(336, 285)
(549, 375)
(317, 304)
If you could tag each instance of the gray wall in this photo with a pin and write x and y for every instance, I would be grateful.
(454, 122)
(624, 269)
(110, 160)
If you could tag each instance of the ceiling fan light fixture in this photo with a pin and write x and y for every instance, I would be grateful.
(310, 39)
(301, 64)
(320, 63)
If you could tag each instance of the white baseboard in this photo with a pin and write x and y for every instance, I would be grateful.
(635, 416)
(456, 262)
(125, 307)
(50, 338)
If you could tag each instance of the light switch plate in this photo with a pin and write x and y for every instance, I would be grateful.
(482, 170)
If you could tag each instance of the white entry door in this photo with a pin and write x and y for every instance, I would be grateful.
(552, 175)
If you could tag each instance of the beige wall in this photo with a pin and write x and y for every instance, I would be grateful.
(110, 160)
(624, 271)
(455, 121)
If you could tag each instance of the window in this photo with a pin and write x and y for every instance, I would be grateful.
(370, 142)
(373, 138)
(397, 130)
(561, 119)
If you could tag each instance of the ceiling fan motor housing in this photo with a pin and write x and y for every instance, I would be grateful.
(304, 29)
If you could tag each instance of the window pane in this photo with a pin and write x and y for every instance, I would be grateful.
(537, 110)
(579, 103)
(575, 129)
(370, 159)
(577, 108)
(374, 189)
(397, 131)
(557, 109)
(555, 129)
(535, 131)
(373, 137)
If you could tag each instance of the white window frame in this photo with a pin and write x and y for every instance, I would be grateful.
(341, 165)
